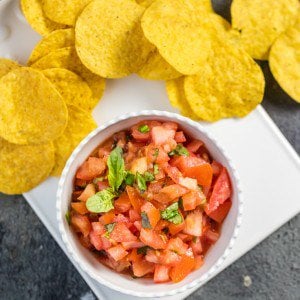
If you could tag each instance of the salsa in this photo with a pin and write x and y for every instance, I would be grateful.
(150, 201)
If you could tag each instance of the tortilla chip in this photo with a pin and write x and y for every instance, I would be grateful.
(6, 65)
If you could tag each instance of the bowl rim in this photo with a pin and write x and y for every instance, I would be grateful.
(236, 178)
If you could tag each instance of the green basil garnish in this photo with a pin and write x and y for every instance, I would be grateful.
(101, 202)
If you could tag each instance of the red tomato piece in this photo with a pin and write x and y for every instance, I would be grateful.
(192, 199)
(189, 183)
(221, 212)
(107, 218)
(122, 219)
(138, 225)
(161, 273)
(160, 135)
(156, 154)
(132, 245)
(117, 252)
(151, 238)
(184, 267)
(193, 223)
(91, 168)
(96, 240)
(211, 236)
(197, 246)
(140, 136)
(134, 215)
(180, 137)
(106, 244)
(88, 192)
(133, 256)
(194, 146)
(136, 200)
(153, 256)
(170, 193)
(102, 185)
(199, 261)
(217, 168)
(121, 233)
(221, 191)
(122, 204)
(170, 125)
(176, 228)
(177, 245)
(79, 207)
(85, 242)
(98, 228)
(169, 258)
(81, 223)
(152, 213)
(142, 267)
(172, 172)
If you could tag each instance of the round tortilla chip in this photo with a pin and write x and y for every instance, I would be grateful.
(176, 94)
(34, 14)
(32, 110)
(80, 124)
(55, 40)
(22, 167)
(261, 22)
(285, 61)
(182, 31)
(73, 89)
(64, 11)
(6, 65)
(109, 38)
(67, 58)
(156, 68)
(230, 84)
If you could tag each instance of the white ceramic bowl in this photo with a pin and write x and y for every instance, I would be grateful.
(124, 283)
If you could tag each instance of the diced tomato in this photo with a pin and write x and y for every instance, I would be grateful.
(221, 212)
(170, 125)
(189, 183)
(185, 266)
(195, 167)
(121, 233)
(96, 240)
(106, 243)
(153, 239)
(81, 223)
(142, 267)
(91, 168)
(134, 197)
(134, 215)
(153, 256)
(221, 191)
(169, 258)
(133, 256)
(184, 237)
(189, 252)
(197, 246)
(170, 193)
(107, 218)
(81, 183)
(175, 228)
(104, 151)
(143, 137)
(161, 273)
(152, 213)
(85, 242)
(122, 204)
(180, 137)
(217, 168)
(161, 225)
(98, 228)
(193, 223)
(79, 207)
(177, 245)
(138, 225)
(192, 199)
(211, 236)
(194, 145)
(160, 135)
(117, 252)
(133, 244)
(198, 261)
(120, 218)
(139, 165)
(102, 185)
(88, 192)
(156, 154)
(172, 172)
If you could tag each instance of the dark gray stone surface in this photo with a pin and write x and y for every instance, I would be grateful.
(32, 266)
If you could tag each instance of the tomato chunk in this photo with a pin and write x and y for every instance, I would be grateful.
(81, 223)
(117, 252)
(96, 240)
(180, 137)
(142, 267)
(134, 197)
(170, 193)
(161, 273)
(152, 213)
(98, 228)
(193, 223)
(88, 192)
(160, 135)
(169, 258)
(107, 218)
(79, 207)
(184, 267)
(221, 212)
(91, 168)
(175, 228)
(194, 146)
(177, 245)
(121, 233)
(122, 204)
(153, 239)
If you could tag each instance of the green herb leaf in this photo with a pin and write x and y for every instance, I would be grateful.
(145, 220)
(129, 180)
(148, 176)
(116, 168)
(171, 214)
(155, 169)
(141, 182)
(101, 202)
(143, 250)
(179, 150)
(156, 152)
(109, 227)
(144, 128)
(68, 217)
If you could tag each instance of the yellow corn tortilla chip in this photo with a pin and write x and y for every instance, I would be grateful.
(109, 38)
(6, 65)
(182, 30)
(156, 68)
(67, 58)
(80, 124)
(261, 22)
(145, 3)
(73, 89)
(64, 11)
(32, 110)
(22, 167)
(34, 14)
(176, 94)
(285, 61)
(55, 40)
(230, 84)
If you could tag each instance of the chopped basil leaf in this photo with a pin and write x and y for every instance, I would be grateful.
(171, 214)
(129, 180)
(101, 202)
(96, 180)
(145, 220)
(179, 150)
(68, 217)
(109, 227)
(144, 128)
(148, 176)
(143, 250)
(156, 152)
(116, 168)
(141, 182)
(155, 169)
(194, 239)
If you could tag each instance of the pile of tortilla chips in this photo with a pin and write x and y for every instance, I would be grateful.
(207, 63)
